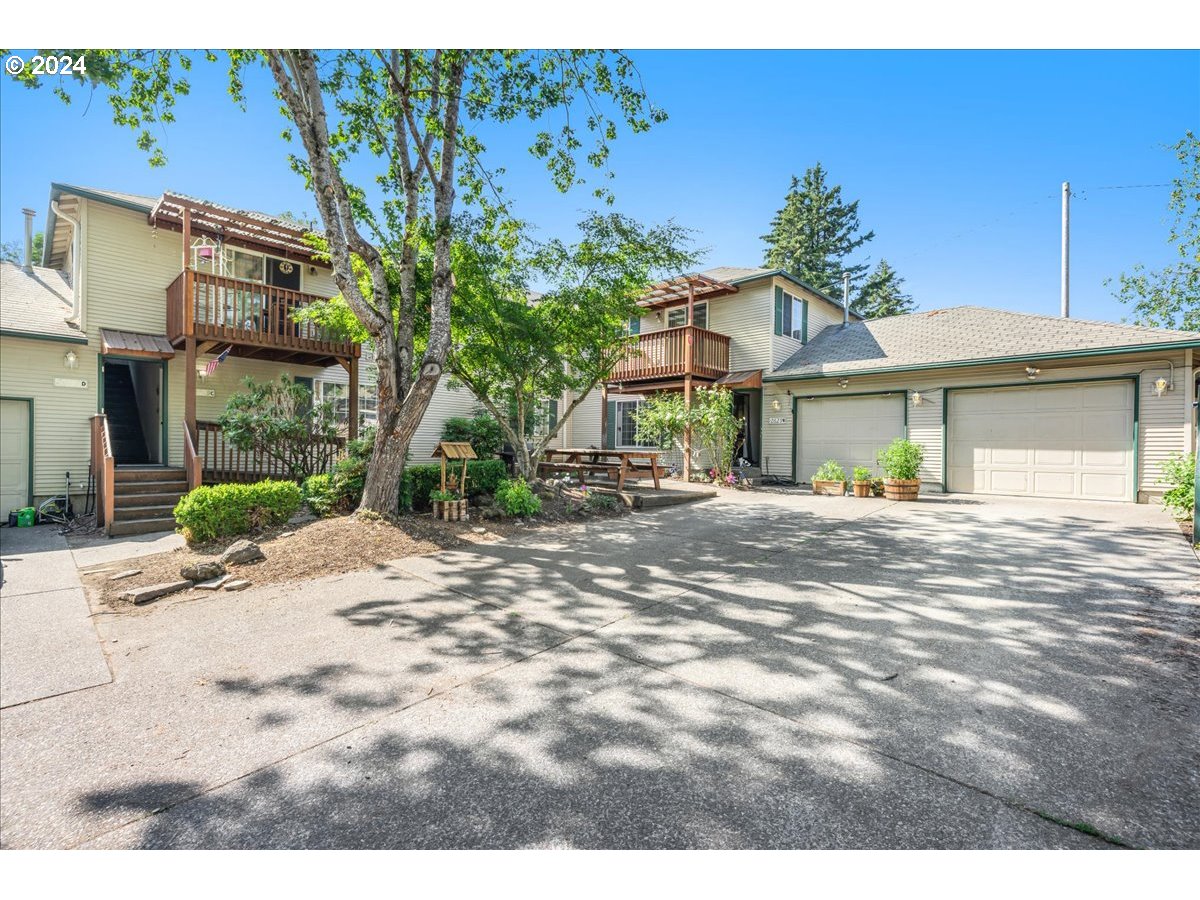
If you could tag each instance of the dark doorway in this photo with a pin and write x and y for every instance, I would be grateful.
(133, 401)
(747, 406)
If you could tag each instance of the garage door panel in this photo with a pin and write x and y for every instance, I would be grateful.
(1065, 441)
(849, 429)
(14, 455)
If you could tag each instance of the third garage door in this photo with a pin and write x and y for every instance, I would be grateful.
(849, 429)
(1054, 440)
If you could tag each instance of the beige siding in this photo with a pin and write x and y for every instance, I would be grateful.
(60, 414)
(821, 314)
(1163, 422)
(745, 316)
(582, 428)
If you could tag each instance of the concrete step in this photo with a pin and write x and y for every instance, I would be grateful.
(140, 526)
(148, 473)
(147, 498)
(131, 513)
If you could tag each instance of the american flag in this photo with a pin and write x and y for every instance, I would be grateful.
(213, 363)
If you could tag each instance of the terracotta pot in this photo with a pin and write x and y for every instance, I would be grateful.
(862, 489)
(901, 488)
(830, 488)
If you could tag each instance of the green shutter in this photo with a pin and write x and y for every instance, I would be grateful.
(553, 414)
(778, 310)
(804, 323)
(635, 324)
(610, 435)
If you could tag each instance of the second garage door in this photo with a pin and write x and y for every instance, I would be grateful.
(1067, 440)
(849, 429)
(14, 455)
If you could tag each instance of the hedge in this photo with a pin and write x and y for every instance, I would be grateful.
(483, 477)
(225, 510)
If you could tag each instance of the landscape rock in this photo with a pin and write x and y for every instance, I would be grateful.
(154, 591)
(213, 584)
(242, 551)
(491, 512)
(287, 534)
(202, 571)
(238, 584)
(479, 530)
(128, 573)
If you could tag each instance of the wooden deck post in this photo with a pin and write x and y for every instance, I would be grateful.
(189, 385)
(352, 430)
(187, 239)
(687, 432)
(603, 414)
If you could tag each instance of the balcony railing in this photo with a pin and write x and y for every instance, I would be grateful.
(664, 354)
(217, 308)
(220, 461)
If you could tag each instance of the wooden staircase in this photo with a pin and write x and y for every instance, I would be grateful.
(144, 499)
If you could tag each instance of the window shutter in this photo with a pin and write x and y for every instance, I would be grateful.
(553, 414)
(787, 314)
(610, 437)
(778, 309)
(635, 325)
(804, 323)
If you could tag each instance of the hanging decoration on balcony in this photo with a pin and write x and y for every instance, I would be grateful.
(216, 361)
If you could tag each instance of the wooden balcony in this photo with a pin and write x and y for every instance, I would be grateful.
(255, 318)
(665, 354)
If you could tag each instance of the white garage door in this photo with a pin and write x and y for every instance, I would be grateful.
(1070, 440)
(849, 429)
(14, 455)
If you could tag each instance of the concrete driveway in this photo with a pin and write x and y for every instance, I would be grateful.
(760, 670)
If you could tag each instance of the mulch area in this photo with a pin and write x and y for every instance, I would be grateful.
(296, 552)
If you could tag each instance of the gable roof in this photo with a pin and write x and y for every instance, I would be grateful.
(964, 335)
(36, 304)
(738, 274)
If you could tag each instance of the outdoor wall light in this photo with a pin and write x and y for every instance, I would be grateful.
(843, 383)
(917, 399)
(775, 404)
(1161, 385)
(1031, 373)
(70, 360)
(201, 370)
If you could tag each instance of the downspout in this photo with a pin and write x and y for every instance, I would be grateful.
(76, 297)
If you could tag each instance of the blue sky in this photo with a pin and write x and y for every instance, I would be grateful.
(957, 159)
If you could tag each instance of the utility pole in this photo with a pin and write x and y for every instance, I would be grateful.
(1066, 250)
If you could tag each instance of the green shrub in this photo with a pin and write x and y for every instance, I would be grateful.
(831, 470)
(901, 460)
(442, 495)
(483, 477)
(597, 502)
(224, 510)
(482, 433)
(862, 473)
(319, 492)
(517, 498)
(1179, 472)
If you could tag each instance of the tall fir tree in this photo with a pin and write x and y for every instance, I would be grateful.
(814, 234)
(882, 295)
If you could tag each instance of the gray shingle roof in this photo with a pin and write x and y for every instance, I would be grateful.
(734, 273)
(36, 303)
(962, 334)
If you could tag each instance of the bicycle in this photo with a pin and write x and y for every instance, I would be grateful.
(57, 509)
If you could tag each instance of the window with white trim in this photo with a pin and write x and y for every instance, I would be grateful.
(627, 435)
(678, 317)
(793, 316)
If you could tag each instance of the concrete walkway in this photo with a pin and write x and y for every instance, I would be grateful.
(48, 644)
(759, 670)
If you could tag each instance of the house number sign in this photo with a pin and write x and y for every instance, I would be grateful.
(777, 420)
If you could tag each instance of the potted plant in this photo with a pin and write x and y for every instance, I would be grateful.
(448, 506)
(862, 481)
(876, 487)
(830, 479)
(901, 464)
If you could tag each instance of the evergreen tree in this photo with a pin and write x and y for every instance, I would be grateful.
(882, 295)
(814, 234)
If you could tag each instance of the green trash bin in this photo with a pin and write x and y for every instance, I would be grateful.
(26, 516)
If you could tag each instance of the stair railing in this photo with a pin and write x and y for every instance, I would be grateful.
(193, 464)
(104, 467)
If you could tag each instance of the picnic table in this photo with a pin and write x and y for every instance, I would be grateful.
(618, 465)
